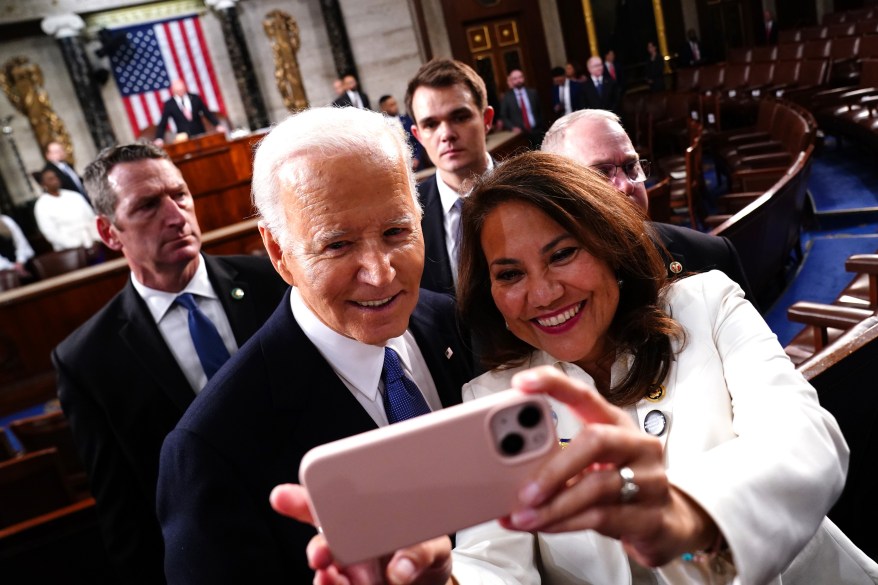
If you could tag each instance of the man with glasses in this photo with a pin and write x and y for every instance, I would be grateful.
(596, 139)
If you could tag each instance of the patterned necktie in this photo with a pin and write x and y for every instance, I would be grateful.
(209, 346)
(525, 118)
(402, 399)
(187, 111)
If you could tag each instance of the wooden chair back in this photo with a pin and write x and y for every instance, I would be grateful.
(767, 230)
(52, 431)
(764, 54)
(60, 262)
(659, 197)
(31, 485)
(789, 35)
(6, 449)
(790, 51)
(688, 78)
(9, 279)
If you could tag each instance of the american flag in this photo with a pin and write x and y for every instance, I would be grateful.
(155, 54)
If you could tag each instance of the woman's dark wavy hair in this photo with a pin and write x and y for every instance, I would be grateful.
(609, 227)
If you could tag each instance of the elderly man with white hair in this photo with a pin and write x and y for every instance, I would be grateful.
(341, 223)
(596, 139)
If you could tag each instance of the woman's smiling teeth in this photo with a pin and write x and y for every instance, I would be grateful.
(560, 318)
(375, 303)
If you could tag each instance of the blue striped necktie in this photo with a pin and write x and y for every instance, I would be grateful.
(402, 399)
(209, 345)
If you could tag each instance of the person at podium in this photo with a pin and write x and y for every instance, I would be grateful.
(185, 109)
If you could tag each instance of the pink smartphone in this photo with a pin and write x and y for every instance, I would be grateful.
(424, 477)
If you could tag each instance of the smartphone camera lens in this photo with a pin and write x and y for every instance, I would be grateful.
(529, 416)
(512, 444)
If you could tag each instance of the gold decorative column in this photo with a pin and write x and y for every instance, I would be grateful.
(660, 32)
(22, 82)
(283, 34)
(589, 28)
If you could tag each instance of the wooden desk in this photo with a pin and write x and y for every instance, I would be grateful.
(218, 172)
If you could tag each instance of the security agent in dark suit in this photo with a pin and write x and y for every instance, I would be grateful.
(341, 223)
(567, 93)
(352, 96)
(56, 160)
(448, 102)
(186, 110)
(518, 100)
(128, 374)
(601, 91)
(596, 139)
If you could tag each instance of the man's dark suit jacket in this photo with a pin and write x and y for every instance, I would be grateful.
(192, 127)
(345, 100)
(607, 99)
(437, 266)
(66, 181)
(511, 115)
(577, 98)
(247, 432)
(122, 391)
(687, 57)
(700, 252)
(771, 37)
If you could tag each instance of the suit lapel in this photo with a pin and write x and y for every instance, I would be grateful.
(140, 334)
(235, 296)
(446, 358)
(437, 266)
(315, 392)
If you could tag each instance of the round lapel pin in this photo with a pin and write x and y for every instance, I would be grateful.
(237, 293)
(655, 423)
(675, 267)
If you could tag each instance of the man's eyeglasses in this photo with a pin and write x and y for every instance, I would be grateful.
(636, 171)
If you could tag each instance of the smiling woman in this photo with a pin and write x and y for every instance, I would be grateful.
(694, 454)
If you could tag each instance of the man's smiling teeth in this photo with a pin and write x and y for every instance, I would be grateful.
(560, 318)
(375, 303)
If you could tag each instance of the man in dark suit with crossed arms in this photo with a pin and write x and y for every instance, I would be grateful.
(449, 104)
(128, 374)
(340, 220)
(596, 139)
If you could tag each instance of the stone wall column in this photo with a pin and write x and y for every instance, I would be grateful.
(66, 29)
(242, 64)
(338, 39)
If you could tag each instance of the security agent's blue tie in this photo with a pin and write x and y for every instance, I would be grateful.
(402, 399)
(209, 346)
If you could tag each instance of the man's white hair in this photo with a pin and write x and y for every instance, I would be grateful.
(280, 163)
(553, 141)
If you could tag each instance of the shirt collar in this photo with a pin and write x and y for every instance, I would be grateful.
(158, 301)
(449, 196)
(358, 364)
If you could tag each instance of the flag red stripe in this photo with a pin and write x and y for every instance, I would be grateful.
(132, 119)
(173, 48)
(209, 66)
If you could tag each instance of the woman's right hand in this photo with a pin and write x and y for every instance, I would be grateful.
(580, 487)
